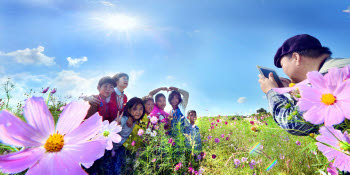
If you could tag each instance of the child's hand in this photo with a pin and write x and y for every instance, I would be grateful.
(119, 118)
(173, 88)
(165, 89)
(171, 115)
(93, 101)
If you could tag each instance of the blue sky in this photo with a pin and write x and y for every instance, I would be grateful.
(208, 48)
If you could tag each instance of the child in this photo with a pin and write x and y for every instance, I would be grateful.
(108, 105)
(178, 106)
(134, 136)
(158, 111)
(114, 160)
(193, 130)
(121, 81)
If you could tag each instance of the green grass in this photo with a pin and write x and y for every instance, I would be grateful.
(297, 159)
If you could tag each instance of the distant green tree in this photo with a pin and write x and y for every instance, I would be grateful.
(261, 110)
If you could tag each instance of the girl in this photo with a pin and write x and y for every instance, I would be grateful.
(114, 160)
(149, 105)
(178, 105)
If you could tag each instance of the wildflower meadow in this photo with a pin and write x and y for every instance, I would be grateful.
(47, 133)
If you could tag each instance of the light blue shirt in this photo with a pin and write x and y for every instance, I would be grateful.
(124, 133)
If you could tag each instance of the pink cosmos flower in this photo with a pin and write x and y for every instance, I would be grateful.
(298, 143)
(178, 166)
(252, 122)
(222, 135)
(213, 156)
(227, 138)
(226, 123)
(327, 101)
(154, 120)
(153, 160)
(170, 140)
(190, 170)
(53, 91)
(237, 162)
(45, 90)
(331, 169)
(133, 143)
(140, 132)
(50, 149)
(288, 89)
(340, 147)
(217, 140)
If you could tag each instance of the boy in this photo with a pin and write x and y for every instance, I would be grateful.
(108, 105)
(121, 81)
(191, 128)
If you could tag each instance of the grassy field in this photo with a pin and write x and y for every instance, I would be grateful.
(276, 143)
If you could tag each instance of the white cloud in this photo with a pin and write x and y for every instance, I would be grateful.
(107, 3)
(242, 100)
(347, 10)
(30, 56)
(169, 77)
(72, 83)
(75, 62)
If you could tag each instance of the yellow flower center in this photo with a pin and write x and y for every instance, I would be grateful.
(54, 143)
(106, 133)
(328, 99)
(291, 84)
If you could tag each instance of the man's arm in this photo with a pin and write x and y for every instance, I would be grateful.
(282, 108)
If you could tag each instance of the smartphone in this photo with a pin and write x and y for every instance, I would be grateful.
(266, 71)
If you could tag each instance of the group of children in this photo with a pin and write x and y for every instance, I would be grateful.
(112, 104)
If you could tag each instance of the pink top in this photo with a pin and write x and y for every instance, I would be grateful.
(157, 112)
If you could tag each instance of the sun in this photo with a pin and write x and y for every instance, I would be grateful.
(116, 23)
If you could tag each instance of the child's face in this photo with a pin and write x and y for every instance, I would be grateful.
(106, 89)
(192, 117)
(123, 82)
(149, 106)
(175, 100)
(136, 111)
(161, 103)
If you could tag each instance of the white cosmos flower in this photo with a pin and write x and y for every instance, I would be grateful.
(153, 134)
(109, 132)
(148, 131)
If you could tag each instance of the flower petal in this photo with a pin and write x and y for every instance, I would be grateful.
(330, 136)
(20, 161)
(56, 164)
(315, 115)
(342, 162)
(333, 78)
(87, 130)
(85, 152)
(333, 115)
(38, 115)
(316, 79)
(116, 138)
(16, 132)
(109, 145)
(72, 116)
(310, 93)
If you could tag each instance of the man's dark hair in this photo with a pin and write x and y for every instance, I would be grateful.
(117, 76)
(312, 53)
(106, 79)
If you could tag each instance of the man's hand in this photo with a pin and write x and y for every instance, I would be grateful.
(267, 84)
(93, 101)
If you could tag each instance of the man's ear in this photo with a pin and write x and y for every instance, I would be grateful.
(297, 58)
